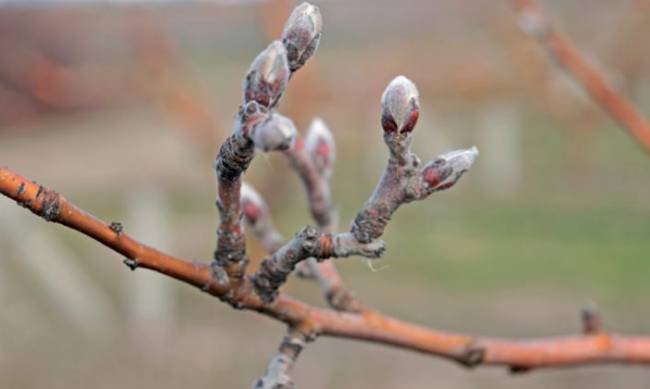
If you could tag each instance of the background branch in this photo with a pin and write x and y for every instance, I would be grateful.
(533, 21)
(277, 373)
(313, 160)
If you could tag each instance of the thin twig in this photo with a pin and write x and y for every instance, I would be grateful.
(404, 180)
(312, 159)
(533, 21)
(308, 243)
(277, 373)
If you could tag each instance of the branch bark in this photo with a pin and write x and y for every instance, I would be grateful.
(308, 243)
(277, 373)
(370, 326)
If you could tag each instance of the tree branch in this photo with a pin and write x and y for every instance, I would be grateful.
(259, 127)
(308, 243)
(277, 373)
(535, 23)
(370, 326)
(403, 180)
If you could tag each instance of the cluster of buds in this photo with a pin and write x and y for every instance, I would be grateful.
(320, 145)
(269, 75)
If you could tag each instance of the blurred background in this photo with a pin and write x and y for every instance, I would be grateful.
(121, 107)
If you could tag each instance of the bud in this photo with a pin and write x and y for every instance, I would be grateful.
(320, 146)
(276, 133)
(253, 206)
(591, 322)
(532, 23)
(301, 34)
(400, 106)
(444, 171)
(268, 76)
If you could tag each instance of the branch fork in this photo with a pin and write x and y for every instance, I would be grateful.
(308, 243)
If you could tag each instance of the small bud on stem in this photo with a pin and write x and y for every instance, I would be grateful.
(301, 34)
(321, 147)
(591, 322)
(276, 133)
(400, 106)
(268, 76)
(444, 171)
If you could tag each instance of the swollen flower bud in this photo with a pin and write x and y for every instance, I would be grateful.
(400, 106)
(320, 146)
(301, 34)
(268, 76)
(276, 133)
(444, 171)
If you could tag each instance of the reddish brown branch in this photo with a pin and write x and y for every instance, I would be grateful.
(534, 21)
(370, 326)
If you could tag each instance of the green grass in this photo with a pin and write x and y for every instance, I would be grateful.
(501, 245)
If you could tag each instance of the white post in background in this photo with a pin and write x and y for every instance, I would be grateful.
(68, 288)
(151, 299)
(499, 139)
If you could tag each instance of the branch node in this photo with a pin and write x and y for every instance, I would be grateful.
(21, 189)
(116, 227)
(472, 356)
(518, 369)
(342, 300)
(219, 274)
(51, 205)
(131, 263)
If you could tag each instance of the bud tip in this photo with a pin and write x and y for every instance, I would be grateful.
(321, 147)
(301, 34)
(400, 105)
(268, 76)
